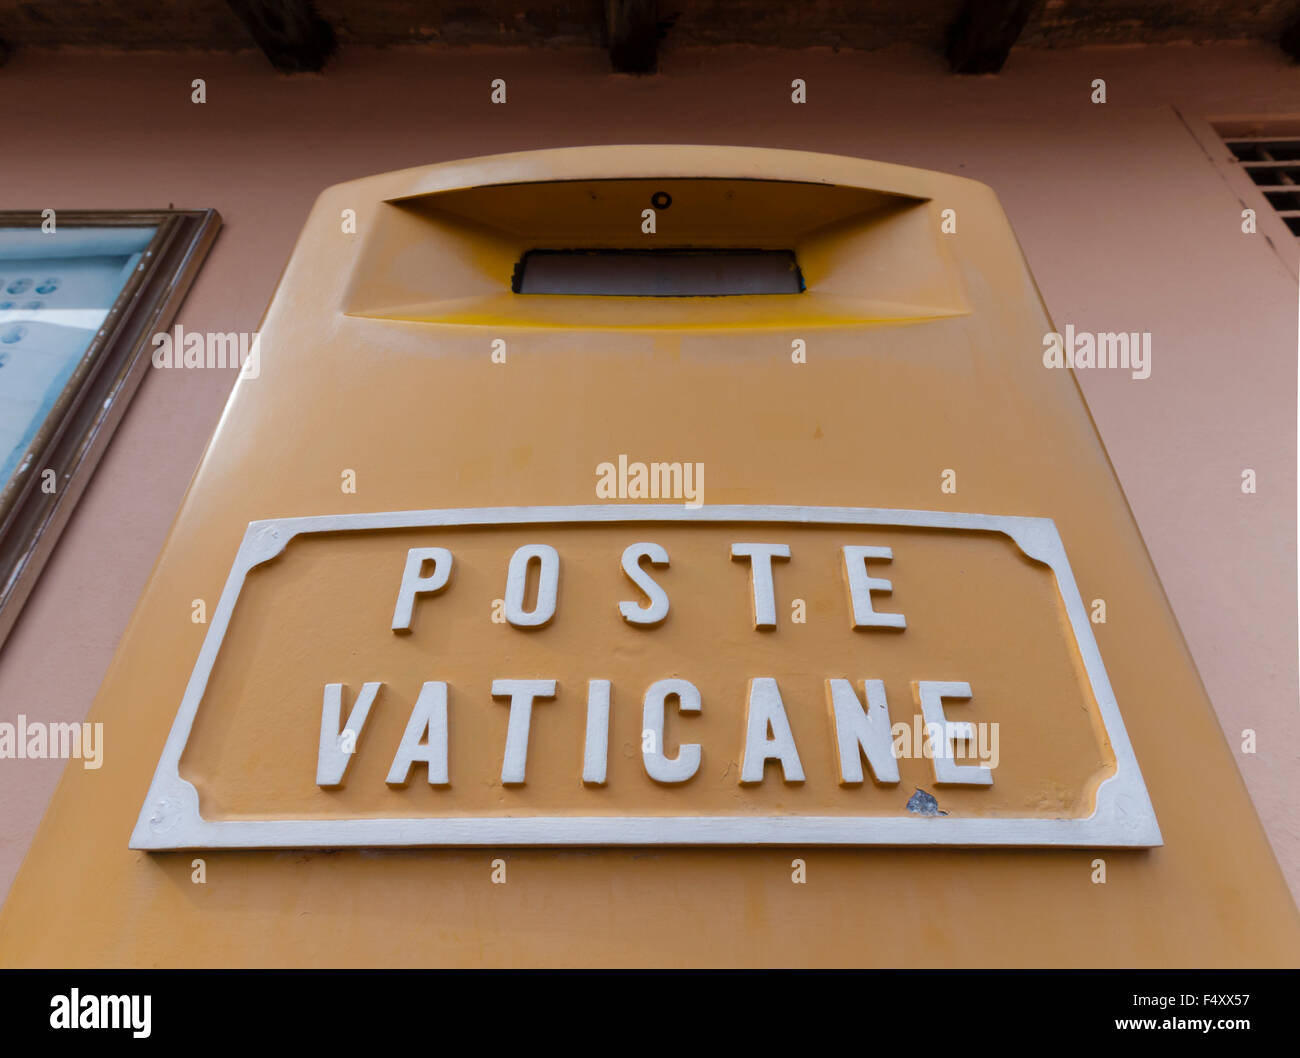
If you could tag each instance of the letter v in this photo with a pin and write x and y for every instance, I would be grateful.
(333, 758)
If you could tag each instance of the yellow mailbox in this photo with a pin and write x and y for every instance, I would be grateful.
(655, 554)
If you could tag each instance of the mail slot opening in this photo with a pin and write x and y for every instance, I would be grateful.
(660, 273)
(475, 255)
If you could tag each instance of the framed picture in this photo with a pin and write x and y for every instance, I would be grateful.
(81, 296)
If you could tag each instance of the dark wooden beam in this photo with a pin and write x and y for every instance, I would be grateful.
(632, 31)
(1290, 39)
(981, 36)
(290, 32)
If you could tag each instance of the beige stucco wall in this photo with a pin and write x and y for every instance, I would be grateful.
(1126, 221)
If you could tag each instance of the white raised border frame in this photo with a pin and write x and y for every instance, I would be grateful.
(1123, 815)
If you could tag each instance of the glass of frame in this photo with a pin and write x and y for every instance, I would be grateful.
(81, 296)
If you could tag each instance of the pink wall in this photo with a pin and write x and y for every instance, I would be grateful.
(1126, 221)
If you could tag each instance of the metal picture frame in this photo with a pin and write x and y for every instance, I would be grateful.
(74, 433)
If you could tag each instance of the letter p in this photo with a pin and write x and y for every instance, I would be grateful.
(414, 582)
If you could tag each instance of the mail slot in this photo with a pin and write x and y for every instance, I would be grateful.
(698, 511)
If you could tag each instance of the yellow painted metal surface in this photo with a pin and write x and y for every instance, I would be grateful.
(923, 355)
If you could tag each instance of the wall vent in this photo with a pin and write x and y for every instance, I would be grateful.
(1270, 156)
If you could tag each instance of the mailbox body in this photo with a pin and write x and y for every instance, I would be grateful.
(400, 372)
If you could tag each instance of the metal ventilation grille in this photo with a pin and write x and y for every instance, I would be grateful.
(1273, 163)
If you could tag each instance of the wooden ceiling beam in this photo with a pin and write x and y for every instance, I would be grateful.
(981, 36)
(290, 32)
(1290, 38)
(632, 32)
